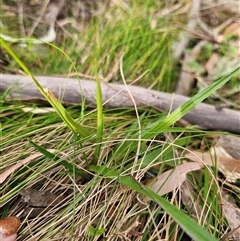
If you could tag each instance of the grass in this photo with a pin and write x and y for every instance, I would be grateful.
(103, 175)
(130, 34)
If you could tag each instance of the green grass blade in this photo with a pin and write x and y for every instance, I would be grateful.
(188, 106)
(164, 123)
(69, 121)
(189, 225)
(99, 116)
(69, 166)
(65, 116)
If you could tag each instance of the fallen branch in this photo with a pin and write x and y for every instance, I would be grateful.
(74, 91)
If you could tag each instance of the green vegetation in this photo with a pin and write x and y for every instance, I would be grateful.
(101, 161)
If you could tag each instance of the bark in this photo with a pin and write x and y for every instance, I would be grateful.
(73, 92)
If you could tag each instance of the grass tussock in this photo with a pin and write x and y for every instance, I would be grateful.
(100, 182)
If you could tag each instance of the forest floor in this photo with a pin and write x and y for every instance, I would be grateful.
(135, 173)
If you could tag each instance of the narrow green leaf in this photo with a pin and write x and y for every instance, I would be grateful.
(164, 123)
(62, 112)
(189, 225)
(99, 114)
(188, 106)
(67, 165)
(91, 230)
(104, 171)
(65, 116)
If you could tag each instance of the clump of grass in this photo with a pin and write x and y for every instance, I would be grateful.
(103, 182)
(100, 181)
(137, 33)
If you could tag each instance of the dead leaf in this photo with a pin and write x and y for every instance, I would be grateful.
(233, 29)
(38, 110)
(232, 215)
(172, 179)
(189, 199)
(10, 170)
(229, 166)
(209, 66)
(198, 156)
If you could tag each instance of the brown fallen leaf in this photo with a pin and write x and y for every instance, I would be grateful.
(209, 66)
(190, 199)
(204, 158)
(10, 170)
(232, 215)
(172, 179)
(233, 29)
(229, 166)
